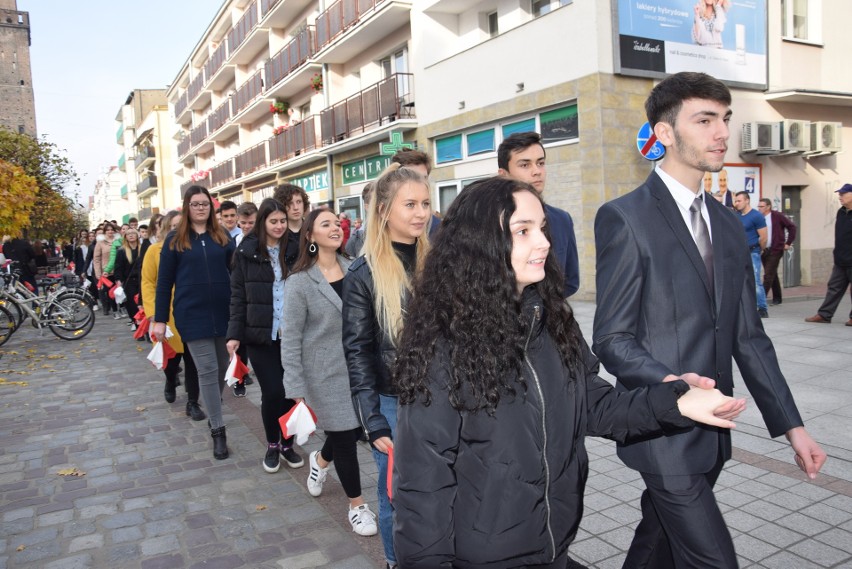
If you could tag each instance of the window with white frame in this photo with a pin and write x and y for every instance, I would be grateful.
(542, 7)
(448, 190)
(555, 125)
(802, 20)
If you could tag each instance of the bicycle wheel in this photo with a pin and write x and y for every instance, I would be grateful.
(7, 325)
(15, 309)
(70, 317)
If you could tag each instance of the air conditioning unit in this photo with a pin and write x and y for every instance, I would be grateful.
(825, 137)
(761, 137)
(796, 136)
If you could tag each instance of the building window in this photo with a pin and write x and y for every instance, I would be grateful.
(491, 22)
(802, 19)
(446, 194)
(542, 7)
(448, 149)
(527, 125)
(480, 142)
(559, 124)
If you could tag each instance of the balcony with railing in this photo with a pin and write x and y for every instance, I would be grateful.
(219, 74)
(147, 183)
(222, 173)
(245, 40)
(122, 160)
(195, 87)
(282, 13)
(295, 140)
(145, 156)
(198, 134)
(248, 106)
(289, 70)
(181, 108)
(204, 183)
(145, 213)
(250, 160)
(124, 192)
(347, 27)
(378, 105)
(119, 135)
(184, 146)
(219, 117)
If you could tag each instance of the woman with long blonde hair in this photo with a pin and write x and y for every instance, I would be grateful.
(195, 261)
(128, 265)
(374, 293)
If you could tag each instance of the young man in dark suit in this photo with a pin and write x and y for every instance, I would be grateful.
(676, 298)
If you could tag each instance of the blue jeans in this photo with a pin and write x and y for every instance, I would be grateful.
(387, 407)
(758, 283)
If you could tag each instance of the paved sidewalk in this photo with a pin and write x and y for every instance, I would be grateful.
(153, 497)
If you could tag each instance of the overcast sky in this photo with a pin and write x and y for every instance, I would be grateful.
(87, 55)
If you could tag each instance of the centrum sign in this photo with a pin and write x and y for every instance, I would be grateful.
(365, 169)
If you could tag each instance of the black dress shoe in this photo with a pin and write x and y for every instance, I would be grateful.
(776, 301)
(763, 313)
(193, 410)
(170, 391)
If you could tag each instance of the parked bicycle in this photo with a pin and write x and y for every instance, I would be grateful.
(67, 312)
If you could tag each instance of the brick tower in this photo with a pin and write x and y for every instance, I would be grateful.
(17, 103)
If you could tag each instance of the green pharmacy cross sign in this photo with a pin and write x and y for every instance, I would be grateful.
(396, 144)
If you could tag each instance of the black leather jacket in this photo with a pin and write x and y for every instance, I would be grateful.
(251, 295)
(474, 490)
(369, 351)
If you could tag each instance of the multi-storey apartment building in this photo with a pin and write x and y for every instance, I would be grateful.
(283, 91)
(108, 202)
(304, 92)
(141, 140)
(17, 102)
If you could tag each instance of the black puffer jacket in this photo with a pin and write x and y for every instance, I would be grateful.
(473, 490)
(369, 351)
(251, 295)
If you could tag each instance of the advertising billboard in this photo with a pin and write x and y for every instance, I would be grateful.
(724, 38)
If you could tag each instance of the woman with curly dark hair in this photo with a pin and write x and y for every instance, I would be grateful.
(497, 392)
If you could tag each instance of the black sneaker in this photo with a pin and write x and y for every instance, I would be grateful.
(193, 410)
(239, 390)
(271, 462)
(248, 379)
(291, 457)
(763, 313)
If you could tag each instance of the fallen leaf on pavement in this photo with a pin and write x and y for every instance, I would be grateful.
(260, 508)
(140, 408)
(21, 548)
(71, 472)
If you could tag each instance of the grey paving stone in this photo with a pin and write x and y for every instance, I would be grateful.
(836, 537)
(123, 519)
(159, 545)
(91, 541)
(592, 550)
(820, 553)
(122, 535)
(753, 549)
(777, 535)
(82, 561)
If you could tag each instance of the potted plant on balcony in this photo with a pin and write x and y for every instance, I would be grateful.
(279, 107)
(279, 129)
(199, 175)
(316, 82)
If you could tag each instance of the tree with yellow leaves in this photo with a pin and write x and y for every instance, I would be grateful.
(18, 193)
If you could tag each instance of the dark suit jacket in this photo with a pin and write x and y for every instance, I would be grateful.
(655, 317)
(780, 224)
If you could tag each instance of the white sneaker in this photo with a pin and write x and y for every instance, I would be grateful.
(363, 520)
(317, 476)
(95, 308)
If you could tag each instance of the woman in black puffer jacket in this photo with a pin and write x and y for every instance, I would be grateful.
(498, 391)
(257, 303)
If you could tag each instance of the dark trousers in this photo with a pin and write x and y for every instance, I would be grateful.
(681, 526)
(190, 376)
(341, 448)
(107, 302)
(839, 281)
(266, 362)
(771, 259)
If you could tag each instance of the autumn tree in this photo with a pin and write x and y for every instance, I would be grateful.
(18, 193)
(54, 175)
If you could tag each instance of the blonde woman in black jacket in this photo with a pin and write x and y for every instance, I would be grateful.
(498, 391)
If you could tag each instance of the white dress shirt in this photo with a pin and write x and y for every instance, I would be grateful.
(684, 197)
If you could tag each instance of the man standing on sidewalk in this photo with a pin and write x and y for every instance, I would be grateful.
(755, 229)
(782, 233)
(841, 273)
